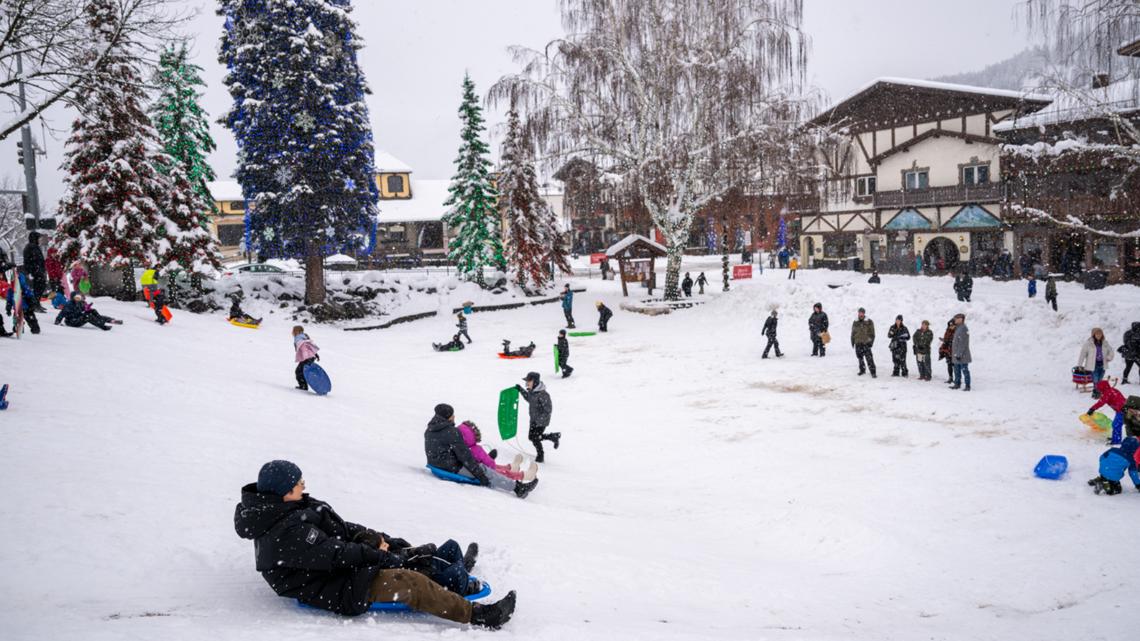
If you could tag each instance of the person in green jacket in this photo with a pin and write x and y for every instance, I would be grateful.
(1051, 293)
(862, 338)
(923, 339)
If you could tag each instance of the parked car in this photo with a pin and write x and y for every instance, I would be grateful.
(256, 269)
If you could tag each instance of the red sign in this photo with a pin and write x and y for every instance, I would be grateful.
(741, 271)
(596, 258)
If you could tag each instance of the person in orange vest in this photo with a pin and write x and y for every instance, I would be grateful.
(793, 265)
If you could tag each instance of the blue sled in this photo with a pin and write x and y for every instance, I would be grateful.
(1051, 466)
(400, 607)
(452, 476)
(317, 379)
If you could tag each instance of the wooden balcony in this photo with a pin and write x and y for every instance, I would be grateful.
(950, 195)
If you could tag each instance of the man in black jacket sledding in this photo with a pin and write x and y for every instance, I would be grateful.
(445, 449)
(305, 551)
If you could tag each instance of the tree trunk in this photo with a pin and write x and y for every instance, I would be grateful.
(314, 277)
(673, 270)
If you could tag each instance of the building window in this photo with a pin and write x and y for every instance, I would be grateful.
(237, 205)
(975, 174)
(865, 186)
(1106, 255)
(431, 236)
(230, 235)
(395, 184)
(918, 179)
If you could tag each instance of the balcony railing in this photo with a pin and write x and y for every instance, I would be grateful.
(949, 195)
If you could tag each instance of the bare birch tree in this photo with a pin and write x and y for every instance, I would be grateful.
(45, 44)
(676, 99)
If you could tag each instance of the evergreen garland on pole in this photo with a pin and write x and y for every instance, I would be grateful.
(473, 212)
(523, 210)
(306, 158)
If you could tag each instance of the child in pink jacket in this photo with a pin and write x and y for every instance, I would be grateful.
(471, 438)
(306, 353)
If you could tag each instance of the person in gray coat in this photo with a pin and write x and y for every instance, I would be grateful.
(960, 353)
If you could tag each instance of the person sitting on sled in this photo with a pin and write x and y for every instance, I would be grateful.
(1111, 397)
(446, 450)
(77, 313)
(522, 351)
(472, 437)
(238, 315)
(1114, 463)
(454, 346)
(306, 551)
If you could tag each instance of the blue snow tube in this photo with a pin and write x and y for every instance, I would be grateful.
(1051, 466)
(400, 607)
(452, 476)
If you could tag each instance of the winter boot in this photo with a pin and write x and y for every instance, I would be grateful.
(779, 354)
(966, 388)
(763, 356)
(495, 615)
(470, 556)
(1113, 488)
(873, 374)
(531, 473)
(556, 437)
(955, 387)
(493, 454)
(523, 489)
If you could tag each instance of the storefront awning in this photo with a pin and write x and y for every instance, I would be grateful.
(972, 216)
(908, 218)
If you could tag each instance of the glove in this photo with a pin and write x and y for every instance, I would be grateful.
(518, 387)
(318, 357)
(397, 542)
(1089, 413)
(427, 549)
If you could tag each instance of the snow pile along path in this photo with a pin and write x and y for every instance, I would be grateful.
(699, 492)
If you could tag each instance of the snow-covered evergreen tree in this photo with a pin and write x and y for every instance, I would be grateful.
(306, 158)
(181, 122)
(117, 209)
(473, 210)
(523, 210)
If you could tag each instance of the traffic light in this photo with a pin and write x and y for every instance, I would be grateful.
(20, 151)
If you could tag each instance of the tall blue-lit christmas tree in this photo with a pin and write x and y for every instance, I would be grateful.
(473, 212)
(305, 160)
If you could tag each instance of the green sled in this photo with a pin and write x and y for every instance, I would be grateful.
(508, 413)
(580, 334)
(557, 361)
(85, 286)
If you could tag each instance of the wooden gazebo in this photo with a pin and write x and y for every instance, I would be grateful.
(636, 256)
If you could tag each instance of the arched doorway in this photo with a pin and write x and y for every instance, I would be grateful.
(940, 256)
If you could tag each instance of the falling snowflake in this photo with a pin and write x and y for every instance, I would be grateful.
(305, 122)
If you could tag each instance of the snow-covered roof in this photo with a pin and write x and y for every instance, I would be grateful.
(1117, 97)
(426, 203)
(629, 240)
(225, 190)
(950, 86)
(387, 163)
(340, 259)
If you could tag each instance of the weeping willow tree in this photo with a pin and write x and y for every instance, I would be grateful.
(678, 101)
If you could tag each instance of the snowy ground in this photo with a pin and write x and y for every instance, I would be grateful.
(699, 492)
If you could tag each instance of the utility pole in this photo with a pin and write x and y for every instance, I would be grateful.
(29, 152)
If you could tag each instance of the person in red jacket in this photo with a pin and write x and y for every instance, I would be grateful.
(1111, 397)
(54, 271)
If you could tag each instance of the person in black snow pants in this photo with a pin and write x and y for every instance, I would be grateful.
(1130, 350)
(462, 325)
(701, 282)
(862, 339)
(538, 399)
(817, 324)
(770, 333)
(604, 316)
(898, 335)
(963, 286)
(923, 339)
(564, 354)
(687, 286)
(158, 298)
(568, 306)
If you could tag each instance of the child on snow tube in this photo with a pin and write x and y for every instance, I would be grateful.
(472, 437)
(1114, 463)
(454, 346)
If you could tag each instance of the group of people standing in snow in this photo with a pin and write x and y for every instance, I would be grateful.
(1095, 355)
(43, 277)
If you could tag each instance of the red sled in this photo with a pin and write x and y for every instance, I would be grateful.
(512, 357)
(166, 313)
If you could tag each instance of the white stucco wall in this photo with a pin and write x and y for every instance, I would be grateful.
(942, 156)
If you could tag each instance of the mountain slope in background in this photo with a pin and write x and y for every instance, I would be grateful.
(1013, 73)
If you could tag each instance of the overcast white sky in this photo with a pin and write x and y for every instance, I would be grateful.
(417, 50)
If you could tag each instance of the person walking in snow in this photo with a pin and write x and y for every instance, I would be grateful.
(1096, 354)
(462, 325)
(1111, 397)
(1051, 292)
(945, 349)
(793, 265)
(35, 268)
(923, 339)
(447, 450)
(701, 282)
(687, 286)
(305, 353)
(564, 354)
(770, 333)
(898, 335)
(817, 325)
(304, 550)
(604, 316)
(568, 305)
(1031, 286)
(963, 285)
(538, 399)
(1114, 463)
(862, 339)
(960, 353)
(1130, 350)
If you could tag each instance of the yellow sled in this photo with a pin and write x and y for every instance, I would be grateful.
(1097, 421)
(247, 325)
